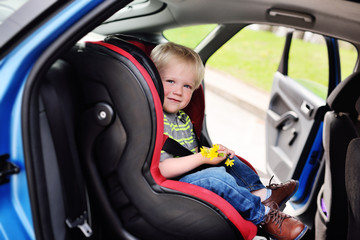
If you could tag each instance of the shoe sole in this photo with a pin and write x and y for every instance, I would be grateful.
(282, 205)
(302, 233)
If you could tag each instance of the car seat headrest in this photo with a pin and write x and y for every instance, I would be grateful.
(146, 45)
(141, 56)
(344, 96)
(137, 47)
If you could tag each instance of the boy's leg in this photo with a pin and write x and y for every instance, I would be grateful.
(276, 223)
(217, 180)
(244, 175)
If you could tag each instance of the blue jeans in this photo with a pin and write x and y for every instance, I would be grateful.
(234, 184)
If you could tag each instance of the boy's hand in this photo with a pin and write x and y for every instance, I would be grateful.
(226, 153)
(214, 161)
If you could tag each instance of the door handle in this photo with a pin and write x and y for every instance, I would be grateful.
(307, 109)
(284, 121)
(293, 137)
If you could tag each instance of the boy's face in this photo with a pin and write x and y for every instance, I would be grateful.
(178, 78)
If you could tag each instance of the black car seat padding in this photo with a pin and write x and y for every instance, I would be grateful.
(67, 200)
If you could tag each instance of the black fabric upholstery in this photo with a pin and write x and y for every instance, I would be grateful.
(114, 150)
(144, 61)
(117, 153)
(338, 132)
(352, 182)
(344, 96)
(64, 177)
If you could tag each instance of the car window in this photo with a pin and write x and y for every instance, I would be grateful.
(189, 36)
(252, 56)
(348, 58)
(308, 61)
(246, 64)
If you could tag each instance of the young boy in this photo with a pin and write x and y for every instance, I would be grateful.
(181, 71)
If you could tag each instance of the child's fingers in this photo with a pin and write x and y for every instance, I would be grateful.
(223, 153)
(228, 152)
(232, 154)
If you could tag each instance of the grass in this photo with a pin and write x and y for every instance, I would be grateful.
(189, 36)
(251, 57)
(254, 56)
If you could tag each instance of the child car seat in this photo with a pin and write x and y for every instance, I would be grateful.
(120, 140)
(196, 107)
(339, 130)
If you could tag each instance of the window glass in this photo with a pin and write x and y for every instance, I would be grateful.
(238, 82)
(252, 55)
(308, 62)
(348, 58)
(189, 36)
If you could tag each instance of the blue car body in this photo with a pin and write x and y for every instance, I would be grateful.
(15, 67)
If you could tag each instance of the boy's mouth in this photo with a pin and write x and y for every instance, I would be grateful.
(174, 100)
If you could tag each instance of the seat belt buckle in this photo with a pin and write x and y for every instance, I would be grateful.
(81, 223)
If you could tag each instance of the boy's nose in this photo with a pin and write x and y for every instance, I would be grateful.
(178, 90)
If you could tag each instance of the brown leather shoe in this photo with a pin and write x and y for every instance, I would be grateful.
(282, 226)
(281, 193)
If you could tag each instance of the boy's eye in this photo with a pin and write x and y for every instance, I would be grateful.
(170, 81)
(188, 86)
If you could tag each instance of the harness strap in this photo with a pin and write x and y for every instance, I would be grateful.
(175, 148)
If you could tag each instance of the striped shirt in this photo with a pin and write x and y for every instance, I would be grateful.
(178, 126)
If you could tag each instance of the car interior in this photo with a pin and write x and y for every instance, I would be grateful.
(98, 125)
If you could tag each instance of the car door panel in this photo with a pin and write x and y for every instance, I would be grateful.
(294, 123)
(290, 117)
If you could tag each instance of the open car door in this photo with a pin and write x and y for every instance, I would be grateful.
(294, 128)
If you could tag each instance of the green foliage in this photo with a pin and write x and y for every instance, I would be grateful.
(251, 57)
(189, 36)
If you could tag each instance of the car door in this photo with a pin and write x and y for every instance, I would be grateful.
(32, 33)
(294, 122)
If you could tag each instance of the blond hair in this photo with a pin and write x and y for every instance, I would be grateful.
(163, 53)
